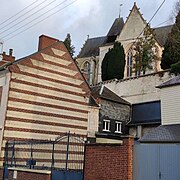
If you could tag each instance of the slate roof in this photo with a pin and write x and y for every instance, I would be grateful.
(116, 27)
(91, 47)
(163, 134)
(105, 93)
(172, 82)
(161, 34)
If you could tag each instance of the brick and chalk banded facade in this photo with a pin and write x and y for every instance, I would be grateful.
(47, 96)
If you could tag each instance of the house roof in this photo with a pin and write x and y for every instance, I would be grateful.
(172, 82)
(105, 93)
(161, 34)
(163, 134)
(91, 47)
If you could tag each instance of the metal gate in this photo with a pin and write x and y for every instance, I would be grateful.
(70, 164)
(64, 156)
(156, 162)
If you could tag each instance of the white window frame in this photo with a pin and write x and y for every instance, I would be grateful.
(107, 125)
(118, 126)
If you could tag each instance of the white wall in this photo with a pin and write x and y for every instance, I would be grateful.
(138, 90)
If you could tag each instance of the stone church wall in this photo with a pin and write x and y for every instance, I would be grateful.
(139, 89)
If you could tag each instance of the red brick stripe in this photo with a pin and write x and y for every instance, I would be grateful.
(49, 70)
(33, 131)
(46, 114)
(47, 96)
(41, 140)
(45, 160)
(46, 87)
(46, 105)
(45, 150)
(43, 122)
(47, 79)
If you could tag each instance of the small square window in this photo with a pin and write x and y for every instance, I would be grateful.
(118, 127)
(106, 125)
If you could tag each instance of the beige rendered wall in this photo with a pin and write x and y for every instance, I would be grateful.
(4, 83)
(93, 121)
(170, 105)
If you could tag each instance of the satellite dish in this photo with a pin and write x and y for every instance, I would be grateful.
(1, 57)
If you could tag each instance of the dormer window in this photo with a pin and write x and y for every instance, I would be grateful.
(106, 125)
(118, 127)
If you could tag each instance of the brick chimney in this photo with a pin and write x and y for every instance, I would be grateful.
(8, 57)
(45, 41)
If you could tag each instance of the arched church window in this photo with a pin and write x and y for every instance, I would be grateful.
(129, 63)
(87, 70)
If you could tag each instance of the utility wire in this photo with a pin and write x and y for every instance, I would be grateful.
(151, 19)
(18, 12)
(40, 21)
(27, 16)
(33, 20)
(162, 23)
(11, 22)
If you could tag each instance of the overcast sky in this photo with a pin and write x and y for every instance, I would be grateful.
(82, 18)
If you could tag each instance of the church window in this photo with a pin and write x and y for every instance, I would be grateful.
(87, 69)
(129, 63)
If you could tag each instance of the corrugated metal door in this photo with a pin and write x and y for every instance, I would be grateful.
(145, 162)
(156, 162)
(170, 161)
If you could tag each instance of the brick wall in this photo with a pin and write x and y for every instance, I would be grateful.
(26, 175)
(109, 162)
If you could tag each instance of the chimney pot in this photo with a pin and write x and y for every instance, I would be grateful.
(10, 52)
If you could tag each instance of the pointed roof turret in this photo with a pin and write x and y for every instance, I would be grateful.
(115, 29)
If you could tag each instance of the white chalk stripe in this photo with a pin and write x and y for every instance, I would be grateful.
(34, 126)
(34, 107)
(51, 75)
(46, 100)
(46, 82)
(47, 91)
(44, 118)
(58, 52)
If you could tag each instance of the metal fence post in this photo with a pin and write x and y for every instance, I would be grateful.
(52, 163)
(5, 175)
(67, 152)
(31, 162)
(13, 155)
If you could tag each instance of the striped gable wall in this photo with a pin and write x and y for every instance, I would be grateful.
(47, 97)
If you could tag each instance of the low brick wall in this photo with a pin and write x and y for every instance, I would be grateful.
(109, 161)
(27, 174)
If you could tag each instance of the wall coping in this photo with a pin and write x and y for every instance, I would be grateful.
(159, 73)
(30, 170)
